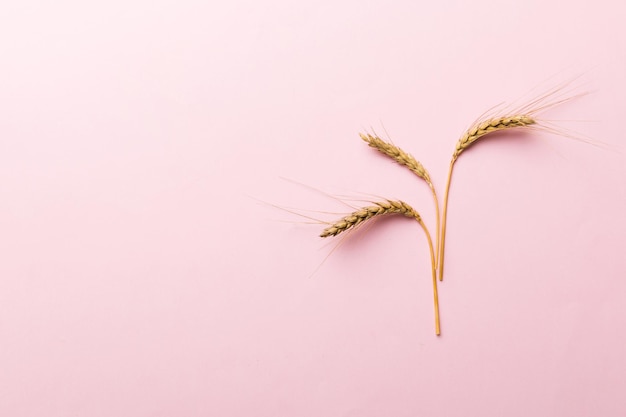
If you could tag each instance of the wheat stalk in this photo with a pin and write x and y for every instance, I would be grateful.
(522, 117)
(479, 130)
(407, 160)
(510, 118)
(382, 208)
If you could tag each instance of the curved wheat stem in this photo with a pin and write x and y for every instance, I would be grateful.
(442, 242)
(406, 159)
(434, 272)
(382, 208)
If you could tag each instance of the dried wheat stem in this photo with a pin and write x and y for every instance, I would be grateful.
(442, 242)
(438, 222)
(406, 159)
(385, 208)
(473, 134)
(434, 271)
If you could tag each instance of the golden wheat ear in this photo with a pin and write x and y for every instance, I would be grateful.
(485, 127)
(397, 154)
(384, 208)
(524, 117)
(406, 159)
(358, 217)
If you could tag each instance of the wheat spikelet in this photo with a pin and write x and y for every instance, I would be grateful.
(398, 155)
(366, 213)
(485, 127)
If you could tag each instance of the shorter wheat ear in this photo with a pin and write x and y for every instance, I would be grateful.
(382, 208)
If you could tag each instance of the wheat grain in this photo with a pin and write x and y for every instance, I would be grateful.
(366, 213)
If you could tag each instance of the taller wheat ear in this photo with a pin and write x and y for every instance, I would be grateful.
(473, 134)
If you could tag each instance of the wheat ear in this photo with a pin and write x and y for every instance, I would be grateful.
(382, 208)
(397, 154)
(473, 134)
(407, 160)
(483, 128)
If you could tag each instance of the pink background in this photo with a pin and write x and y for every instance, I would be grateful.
(141, 276)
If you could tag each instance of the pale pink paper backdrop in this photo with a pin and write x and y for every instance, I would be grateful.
(141, 276)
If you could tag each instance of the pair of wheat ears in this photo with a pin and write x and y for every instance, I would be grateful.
(522, 117)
